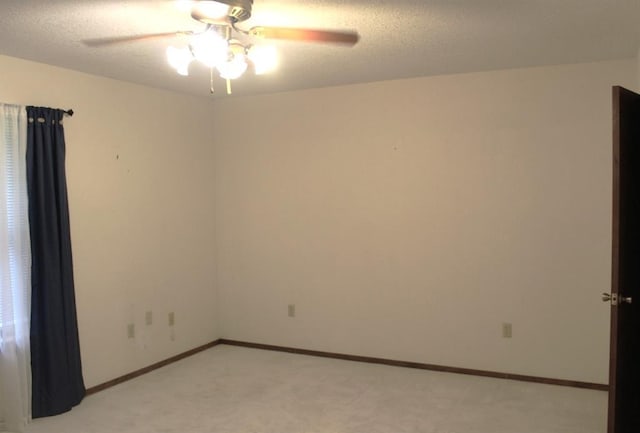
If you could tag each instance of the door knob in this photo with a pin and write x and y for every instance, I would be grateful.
(610, 297)
(614, 298)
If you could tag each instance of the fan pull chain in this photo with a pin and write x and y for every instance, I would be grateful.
(228, 86)
(211, 90)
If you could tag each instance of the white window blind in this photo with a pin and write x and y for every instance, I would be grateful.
(14, 271)
(15, 265)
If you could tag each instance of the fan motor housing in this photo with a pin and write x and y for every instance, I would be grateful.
(240, 10)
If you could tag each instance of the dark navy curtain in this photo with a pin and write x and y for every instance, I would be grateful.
(56, 369)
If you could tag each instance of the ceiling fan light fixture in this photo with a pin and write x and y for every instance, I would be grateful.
(264, 58)
(179, 59)
(209, 48)
(233, 69)
(236, 65)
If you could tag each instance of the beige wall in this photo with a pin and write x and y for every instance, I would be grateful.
(410, 219)
(139, 170)
(405, 219)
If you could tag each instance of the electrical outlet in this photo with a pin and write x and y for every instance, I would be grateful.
(172, 318)
(131, 330)
(292, 310)
(507, 331)
(148, 318)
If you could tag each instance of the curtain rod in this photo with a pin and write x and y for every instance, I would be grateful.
(68, 112)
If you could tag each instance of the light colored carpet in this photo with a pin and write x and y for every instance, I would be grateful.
(237, 390)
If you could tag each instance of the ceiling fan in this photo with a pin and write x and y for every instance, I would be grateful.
(220, 44)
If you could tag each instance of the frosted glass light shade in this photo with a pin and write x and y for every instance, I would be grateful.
(179, 59)
(209, 48)
(233, 68)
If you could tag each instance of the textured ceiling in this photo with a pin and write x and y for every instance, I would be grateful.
(399, 38)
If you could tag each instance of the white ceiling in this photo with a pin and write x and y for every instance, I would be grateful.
(399, 38)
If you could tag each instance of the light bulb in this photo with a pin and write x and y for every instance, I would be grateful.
(233, 68)
(179, 58)
(209, 48)
(264, 58)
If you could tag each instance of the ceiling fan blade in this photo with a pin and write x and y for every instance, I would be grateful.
(346, 37)
(103, 42)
